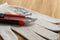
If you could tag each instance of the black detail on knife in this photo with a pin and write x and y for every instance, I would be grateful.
(11, 22)
(1, 15)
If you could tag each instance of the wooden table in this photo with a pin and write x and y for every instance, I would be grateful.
(47, 7)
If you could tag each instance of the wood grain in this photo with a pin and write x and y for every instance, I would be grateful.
(47, 7)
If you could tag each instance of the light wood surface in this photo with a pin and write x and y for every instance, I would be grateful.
(47, 7)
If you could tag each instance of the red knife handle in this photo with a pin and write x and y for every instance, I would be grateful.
(15, 15)
(12, 21)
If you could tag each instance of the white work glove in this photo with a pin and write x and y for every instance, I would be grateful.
(40, 27)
